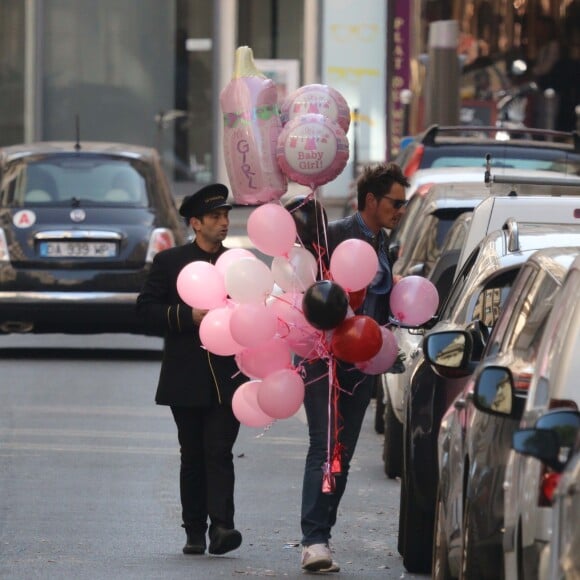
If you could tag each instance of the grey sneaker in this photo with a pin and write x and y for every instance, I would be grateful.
(316, 557)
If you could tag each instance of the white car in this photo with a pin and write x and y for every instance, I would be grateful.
(528, 482)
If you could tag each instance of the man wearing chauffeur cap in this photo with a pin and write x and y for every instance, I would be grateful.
(197, 385)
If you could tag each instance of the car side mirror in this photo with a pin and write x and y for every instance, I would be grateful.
(552, 440)
(539, 443)
(493, 392)
(449, 352)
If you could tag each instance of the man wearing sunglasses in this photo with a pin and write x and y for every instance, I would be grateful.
(381, 204)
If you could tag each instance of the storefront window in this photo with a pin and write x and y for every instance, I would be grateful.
(11, 72)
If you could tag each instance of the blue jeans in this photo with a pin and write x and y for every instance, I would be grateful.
(319, 509)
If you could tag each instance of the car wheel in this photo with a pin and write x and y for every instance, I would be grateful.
(379, 406)
(393, 442)
(440, 563)
(469, 569)
(415, 527)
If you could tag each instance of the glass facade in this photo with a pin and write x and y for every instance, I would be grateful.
(135, 71)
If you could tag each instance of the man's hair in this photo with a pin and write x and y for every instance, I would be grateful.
(378, 180)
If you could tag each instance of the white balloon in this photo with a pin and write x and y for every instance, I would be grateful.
(295, 273)
(230, 256)
(249, 280)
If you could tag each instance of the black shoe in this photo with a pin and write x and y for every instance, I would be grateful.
(223, 540)
(195, 543)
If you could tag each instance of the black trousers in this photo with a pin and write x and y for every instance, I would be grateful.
(206, 437)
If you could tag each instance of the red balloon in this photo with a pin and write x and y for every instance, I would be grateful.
(356, 339)
(356, 299)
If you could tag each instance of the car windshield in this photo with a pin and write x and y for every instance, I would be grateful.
(74, 180)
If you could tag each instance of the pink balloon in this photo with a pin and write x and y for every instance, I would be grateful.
(354, 264)
(215, 335)
(252, 124)
(272, 229)
(252, 324)
(246, 408)
(249, 281)
(281, 393)
(231, 256)
(312, 150)
(414, 300)
(201, 285)
(385, 358)
(316, 98)
(259, 361)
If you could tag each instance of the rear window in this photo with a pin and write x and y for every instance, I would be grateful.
(511, 157)
(74, 180)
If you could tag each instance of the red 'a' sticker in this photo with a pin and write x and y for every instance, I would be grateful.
(24, 218)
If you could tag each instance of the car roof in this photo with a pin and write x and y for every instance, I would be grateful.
(477, 175)
(13, 152)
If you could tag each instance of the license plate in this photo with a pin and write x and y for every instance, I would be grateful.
(78, 249)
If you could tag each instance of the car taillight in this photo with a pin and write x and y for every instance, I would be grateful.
(566, 403)
(548, 484)
(415, 161)
(522, 381)
(4, 253)
(161, 239)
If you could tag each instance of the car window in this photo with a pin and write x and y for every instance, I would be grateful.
(427, 248)
(491, 298)
(538, 164)
(456, 235)
(61, 179)
(519, 292)
(408, 220)
(556, 335)
(469, 155)
(457, 288)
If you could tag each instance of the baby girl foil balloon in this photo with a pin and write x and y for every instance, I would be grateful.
(319, 99)
(312, 150)
(252, 124)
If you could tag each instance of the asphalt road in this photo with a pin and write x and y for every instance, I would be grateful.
(89, 476)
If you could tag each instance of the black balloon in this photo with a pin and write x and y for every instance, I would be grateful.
(325, 305)
(310, 218)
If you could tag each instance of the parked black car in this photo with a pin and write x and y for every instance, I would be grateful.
(79, 226)
(440, 146)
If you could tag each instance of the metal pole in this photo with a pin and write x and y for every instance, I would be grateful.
(442, 94)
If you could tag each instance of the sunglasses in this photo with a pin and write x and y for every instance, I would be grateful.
(397, 203)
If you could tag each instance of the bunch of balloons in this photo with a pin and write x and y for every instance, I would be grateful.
(264, 146)
(264, 314)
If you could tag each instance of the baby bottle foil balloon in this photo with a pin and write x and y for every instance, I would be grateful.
(252, 124)
(319, 99)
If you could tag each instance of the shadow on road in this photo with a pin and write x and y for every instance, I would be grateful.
(80, 354)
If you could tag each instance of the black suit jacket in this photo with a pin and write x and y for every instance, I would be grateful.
(190, 375)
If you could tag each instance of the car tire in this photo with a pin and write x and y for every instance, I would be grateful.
(415, 526)
(440, 564)
(393, 442)
(379, 407)
(470, 568)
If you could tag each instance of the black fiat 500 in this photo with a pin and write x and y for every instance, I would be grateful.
(79, 226)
